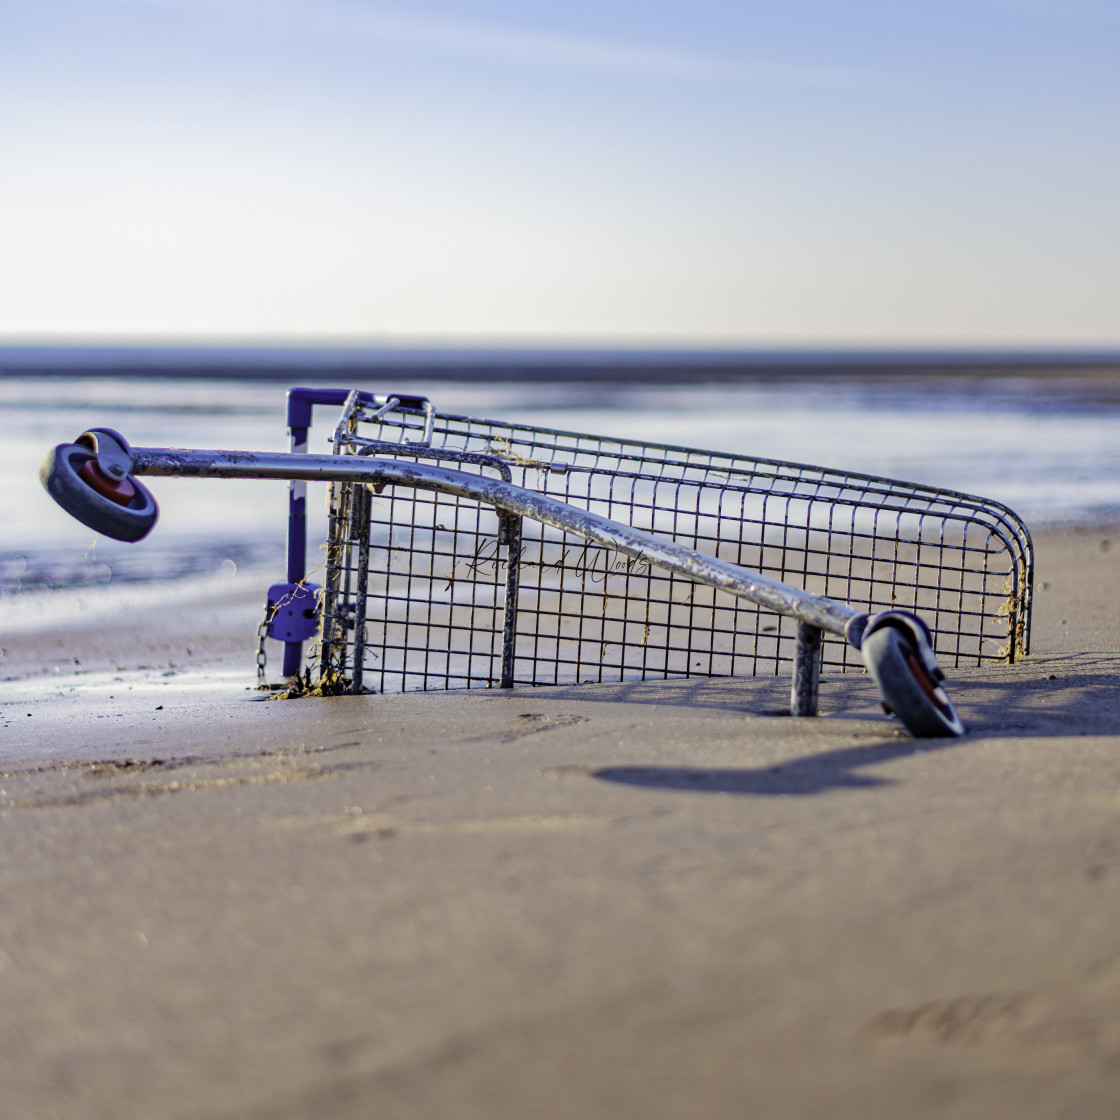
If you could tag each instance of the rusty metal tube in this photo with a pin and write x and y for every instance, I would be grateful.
(827, 615)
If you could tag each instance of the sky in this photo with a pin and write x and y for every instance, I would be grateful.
(633, 172)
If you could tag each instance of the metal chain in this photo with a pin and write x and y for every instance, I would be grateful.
(262, 656)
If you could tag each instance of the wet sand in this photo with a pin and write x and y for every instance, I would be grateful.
(651, 900)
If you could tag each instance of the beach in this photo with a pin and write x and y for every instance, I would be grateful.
(654, 899)
(445, 443)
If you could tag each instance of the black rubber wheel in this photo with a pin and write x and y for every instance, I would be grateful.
(127, 517)
(906, 687)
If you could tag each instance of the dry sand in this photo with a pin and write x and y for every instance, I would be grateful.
(608, 901)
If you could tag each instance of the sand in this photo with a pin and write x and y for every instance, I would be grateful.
(653, 900)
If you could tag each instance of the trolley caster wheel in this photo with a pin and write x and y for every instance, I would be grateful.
(90, 479)
(898, 654)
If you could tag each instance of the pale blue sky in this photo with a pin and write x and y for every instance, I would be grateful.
(702, 172)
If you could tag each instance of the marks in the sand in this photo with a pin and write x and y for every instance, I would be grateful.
(360, 825)
(1014, 1021)
(533, 723)
(30, 787)
(966, 1020)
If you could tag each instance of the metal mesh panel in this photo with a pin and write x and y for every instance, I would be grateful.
(419, 582)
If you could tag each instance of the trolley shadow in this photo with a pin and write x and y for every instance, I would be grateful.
(802, 777)
(1069, 695)
(1078, 699)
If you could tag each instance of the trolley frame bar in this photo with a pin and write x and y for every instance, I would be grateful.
(814, 614)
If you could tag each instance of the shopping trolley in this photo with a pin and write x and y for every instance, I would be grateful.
(470, 553)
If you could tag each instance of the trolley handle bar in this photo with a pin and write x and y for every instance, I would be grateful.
(782, 598)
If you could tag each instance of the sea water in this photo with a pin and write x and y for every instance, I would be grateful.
(1050, 449)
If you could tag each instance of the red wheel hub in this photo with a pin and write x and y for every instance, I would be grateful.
(927, 686)
(122, 492)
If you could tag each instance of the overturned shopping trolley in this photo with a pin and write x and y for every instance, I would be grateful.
(467, 553)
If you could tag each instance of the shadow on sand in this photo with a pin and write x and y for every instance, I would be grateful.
(1057, 696)
(802, 777)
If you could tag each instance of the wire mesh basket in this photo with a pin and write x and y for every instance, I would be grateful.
(426, 590)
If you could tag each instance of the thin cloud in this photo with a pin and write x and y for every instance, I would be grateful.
(512, 44)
